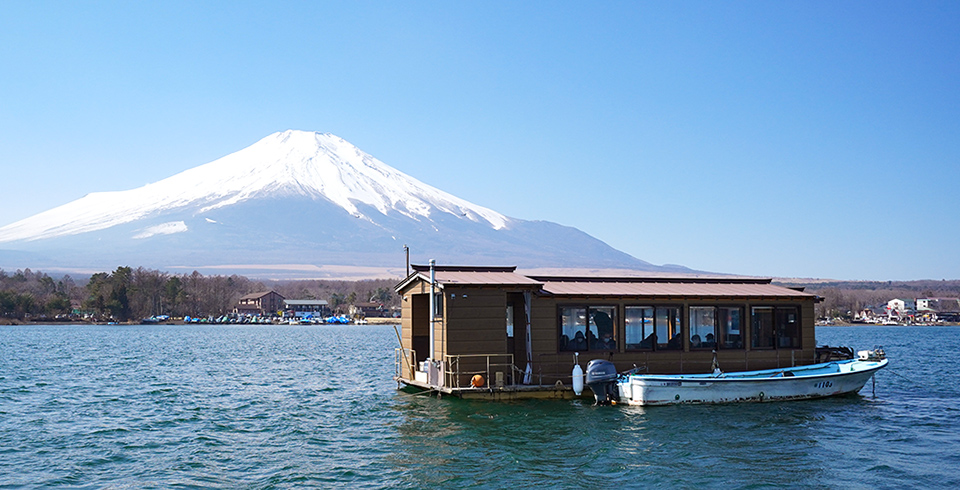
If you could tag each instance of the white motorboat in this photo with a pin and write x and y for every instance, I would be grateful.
(794, 383)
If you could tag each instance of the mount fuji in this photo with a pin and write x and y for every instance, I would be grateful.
(294, 197)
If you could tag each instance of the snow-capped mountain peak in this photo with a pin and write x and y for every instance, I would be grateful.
(320, 166)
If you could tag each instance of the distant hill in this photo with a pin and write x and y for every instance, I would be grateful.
(294, 198)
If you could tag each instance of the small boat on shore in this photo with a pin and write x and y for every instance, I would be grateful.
(154, 319)
(781, 384)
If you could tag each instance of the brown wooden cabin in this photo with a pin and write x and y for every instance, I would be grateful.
(659, 324)
(262, 303)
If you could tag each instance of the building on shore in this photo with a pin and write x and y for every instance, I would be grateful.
(265, 303)
(919, 311)
(371, 310)
(305, 308)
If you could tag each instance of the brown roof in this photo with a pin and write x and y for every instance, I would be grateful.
(257, 295)
(472, 276)
(660, 289)
(638, 287)
(483, 278)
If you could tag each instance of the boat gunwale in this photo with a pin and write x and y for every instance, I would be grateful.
(757, 376)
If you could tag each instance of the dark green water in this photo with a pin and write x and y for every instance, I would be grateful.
(314, 406)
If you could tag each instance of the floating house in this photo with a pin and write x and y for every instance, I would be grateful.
(493, 332)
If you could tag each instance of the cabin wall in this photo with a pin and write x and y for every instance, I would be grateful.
(473, 323)
(476, 328)
(414, 325)
(552, 365)
(406, 330)
(549, 364)
(808, 317)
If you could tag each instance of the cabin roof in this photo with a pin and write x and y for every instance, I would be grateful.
(648, 287)
(484, 278)
(471, 276)
(664, 289)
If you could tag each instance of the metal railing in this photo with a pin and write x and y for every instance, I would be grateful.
(551, 368)
(548, 369)
(460, 369)
(462, 366)
(404, 357)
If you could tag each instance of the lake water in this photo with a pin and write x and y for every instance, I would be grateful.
(314, 406)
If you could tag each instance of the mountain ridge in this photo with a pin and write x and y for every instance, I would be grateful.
(288, 174)
(298, 197)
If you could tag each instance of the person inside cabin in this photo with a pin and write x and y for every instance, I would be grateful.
(695, 342)
(711, 342)
(608, 343)
(564, 342)
(604, 326)
(579, 342)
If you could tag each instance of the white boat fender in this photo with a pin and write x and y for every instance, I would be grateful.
(577, 375)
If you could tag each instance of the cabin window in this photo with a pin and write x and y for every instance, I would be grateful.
(509, 321)
(728, 328)
(776, 327)
(762, 333)
(573, 329)
(667, 325)
(601, 326)
(652, 327)
(587, 328)
(437, 304)
(788, 328)
(703, 325)
(639, 327)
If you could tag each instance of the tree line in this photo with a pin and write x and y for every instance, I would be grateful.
(28, 293)
(129, 294)
(844, 299)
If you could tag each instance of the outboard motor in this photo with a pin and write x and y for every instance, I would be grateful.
(601, 378)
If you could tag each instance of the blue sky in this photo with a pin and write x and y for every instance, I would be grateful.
(799, 139)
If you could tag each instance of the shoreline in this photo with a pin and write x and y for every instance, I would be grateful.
(950, 324)
(14, 321)
(367, 321)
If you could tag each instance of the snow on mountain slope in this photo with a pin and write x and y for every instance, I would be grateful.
(294, 197)
(289, 163)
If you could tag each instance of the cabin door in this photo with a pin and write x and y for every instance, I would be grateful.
(420, 322)
(511, 324)
(516, 329)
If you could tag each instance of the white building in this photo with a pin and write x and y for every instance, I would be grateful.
(305, 307)
(901, 306)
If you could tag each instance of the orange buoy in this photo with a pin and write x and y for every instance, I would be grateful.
(477, 381)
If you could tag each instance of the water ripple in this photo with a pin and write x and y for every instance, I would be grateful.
(313, 406)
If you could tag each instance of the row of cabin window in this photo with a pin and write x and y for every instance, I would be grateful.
(660, 328)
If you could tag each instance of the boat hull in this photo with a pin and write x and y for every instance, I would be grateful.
(814, 381)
